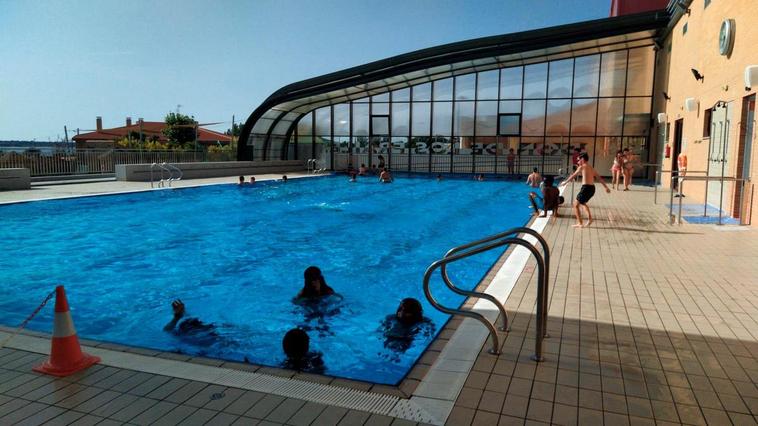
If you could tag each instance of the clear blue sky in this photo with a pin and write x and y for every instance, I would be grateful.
(65, 62)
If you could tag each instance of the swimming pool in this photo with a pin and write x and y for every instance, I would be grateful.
(236, 255)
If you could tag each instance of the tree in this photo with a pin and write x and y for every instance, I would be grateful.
(180, 130)
(235, 130)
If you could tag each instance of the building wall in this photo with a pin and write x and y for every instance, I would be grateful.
(698, 48)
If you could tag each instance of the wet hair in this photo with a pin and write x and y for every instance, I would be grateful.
(296, 343)
(626, 150)
(313, 273)
(413, 309)
(549, 180)
(535, 170)
(619, 152)
(584, 156)
(284, 177)
(242, 178)
(363, 165)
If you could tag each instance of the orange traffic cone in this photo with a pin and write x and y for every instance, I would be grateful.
(66, 356)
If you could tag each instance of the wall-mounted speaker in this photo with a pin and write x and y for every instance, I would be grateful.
(690, 104)
(751, 76)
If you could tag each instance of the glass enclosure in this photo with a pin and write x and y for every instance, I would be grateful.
(507, 120)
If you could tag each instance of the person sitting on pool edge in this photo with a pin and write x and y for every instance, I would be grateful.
(385, 176)
(296, 346)
(190, 326)
(551, 197)
(314, 286)
(400, 329)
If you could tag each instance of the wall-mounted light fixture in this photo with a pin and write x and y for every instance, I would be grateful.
(751, 76)
(696, 73)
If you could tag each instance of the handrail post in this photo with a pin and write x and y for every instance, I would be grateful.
(541, 289)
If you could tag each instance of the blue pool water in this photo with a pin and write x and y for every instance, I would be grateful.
(236, 255)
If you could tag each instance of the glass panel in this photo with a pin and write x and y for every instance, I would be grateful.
(464, 87)
(510, 83)
(486, 118)
(442, 118)
(421, 112)
(510, 107)
(555, 155)
(637, 116)
(530, 155)
(510, 125)
(535, 81)
(305, 125)
(533, 118)
(323, 121)
(443, 90)
(342, 119)
(400, 117)
(380, 125)
(362, 100)
(486, 86)
(384, 97)
(585, 76)
(401, 95)
(380, 108)
(609, 115)
(583, 115)
(422, 92)
(640, 74)
(605, 150)
(464, 119)
(360, 119)
(561, 73)
(584, 144)
(558, 117)
(399, 146)
(613, 74)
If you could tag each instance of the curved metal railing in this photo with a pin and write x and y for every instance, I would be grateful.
(162, 169)
(512, 231)
(171, 168)
(480, 246)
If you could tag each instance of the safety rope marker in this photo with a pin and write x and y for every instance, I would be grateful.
(26, 321)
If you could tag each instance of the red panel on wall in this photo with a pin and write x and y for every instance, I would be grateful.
(627, 7)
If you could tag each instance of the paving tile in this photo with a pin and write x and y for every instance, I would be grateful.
(199, 417)
(222, 419)
(378, 420)
(87, 420)
(306, 414)
(134, 409)
(354, 417)
(185, 392)
(245, 402)
(66, 418)
(166, 389)
(176, 415)
(224, 399)
(114, 405)
(264, 406)
(26, 410)
(42, 416)
(330, 416)
(155, 412)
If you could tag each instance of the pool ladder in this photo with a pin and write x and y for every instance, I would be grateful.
(490, 243)
(165, 168)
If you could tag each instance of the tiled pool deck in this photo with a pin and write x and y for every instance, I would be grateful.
(649, 323)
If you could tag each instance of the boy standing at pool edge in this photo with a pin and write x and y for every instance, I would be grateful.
(589, 174)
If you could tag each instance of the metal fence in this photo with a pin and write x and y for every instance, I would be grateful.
(100, 161)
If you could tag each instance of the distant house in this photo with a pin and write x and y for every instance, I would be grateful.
(151, 130)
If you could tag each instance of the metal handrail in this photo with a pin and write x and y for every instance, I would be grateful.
(170, 167)
(659, 174)
(479, 317)
(310, 165)
(493, 299)
(162, 169)
(707, 179)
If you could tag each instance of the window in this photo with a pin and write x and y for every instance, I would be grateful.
(707, 123)
(509, 125)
